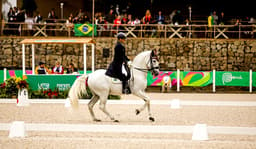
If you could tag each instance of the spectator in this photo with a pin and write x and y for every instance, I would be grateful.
(129, 19)
(41, 69)
(110, 19)
(110, 16)
(71, 69)
(160, 22)
(117, 23)
(222, 19)
(38, 18)
(125, 19)
(52, 19)
(11, 19)
(80, 13)
(100, 24)
(71, 18)
(210, 25)
(178, 19)
(57, 69)
(215, 17)
(11, 15)
(86, 19)
(160, 18)
(172, 15)
(52, 16)
(136, 21)
(147, 19)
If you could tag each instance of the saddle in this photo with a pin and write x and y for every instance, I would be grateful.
(116, 81)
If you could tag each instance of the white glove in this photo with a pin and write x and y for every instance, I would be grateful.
(129, 63)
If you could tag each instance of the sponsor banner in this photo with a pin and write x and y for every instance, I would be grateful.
(85, 30)
(1, 76)
(254, 79)
(62, 82)
(186, 78)
(229, 78)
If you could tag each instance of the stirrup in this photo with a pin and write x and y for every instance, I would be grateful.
(127, 91)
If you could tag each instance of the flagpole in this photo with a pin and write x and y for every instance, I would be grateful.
(92, 19)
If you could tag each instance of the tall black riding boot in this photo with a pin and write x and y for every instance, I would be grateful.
(126, 88)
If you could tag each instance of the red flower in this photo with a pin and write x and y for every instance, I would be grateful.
(3, 85)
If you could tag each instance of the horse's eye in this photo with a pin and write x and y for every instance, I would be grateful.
(154, 61)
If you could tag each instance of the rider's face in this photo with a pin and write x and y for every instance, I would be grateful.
(122, 40)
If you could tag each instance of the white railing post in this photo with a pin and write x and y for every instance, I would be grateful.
(5, 74)
(250, 79)
(93, 48)
(33, 59)
(178, 80)
(85, 65)
(23, 60)
(213, 81)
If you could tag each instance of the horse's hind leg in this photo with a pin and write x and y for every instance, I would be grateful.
(142, 95)
(91, 104)
(103, 101)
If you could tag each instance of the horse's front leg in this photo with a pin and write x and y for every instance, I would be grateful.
(142, 95)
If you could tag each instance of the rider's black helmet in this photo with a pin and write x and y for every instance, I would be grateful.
(121, 35)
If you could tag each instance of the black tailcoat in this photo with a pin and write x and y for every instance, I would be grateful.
(115, 68)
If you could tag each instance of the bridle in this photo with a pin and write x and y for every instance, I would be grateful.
(152, 68)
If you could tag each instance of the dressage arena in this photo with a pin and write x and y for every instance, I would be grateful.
(229, 119)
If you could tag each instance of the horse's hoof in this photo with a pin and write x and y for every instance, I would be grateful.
(97, 120)
(137, 111)
(116, 121)
(152, 119)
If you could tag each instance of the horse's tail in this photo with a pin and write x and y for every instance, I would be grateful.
(77, 89)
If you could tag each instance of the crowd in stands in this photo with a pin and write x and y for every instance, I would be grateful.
(116, 17)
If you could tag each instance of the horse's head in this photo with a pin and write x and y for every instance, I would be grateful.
(153, 64)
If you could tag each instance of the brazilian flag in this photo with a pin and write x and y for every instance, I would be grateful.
(84, 30)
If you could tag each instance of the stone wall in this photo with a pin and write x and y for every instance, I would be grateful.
(185, 54)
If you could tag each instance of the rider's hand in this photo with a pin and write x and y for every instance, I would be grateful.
(129, 63)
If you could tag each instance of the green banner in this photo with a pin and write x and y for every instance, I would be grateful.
(229, 78)
(62, 82)
(254, 79)
(85, 30)
(1, 76)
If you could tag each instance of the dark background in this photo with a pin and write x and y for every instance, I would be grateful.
(200, 8)
(242, 8)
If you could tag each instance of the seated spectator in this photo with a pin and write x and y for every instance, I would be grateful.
(57, 69)
(71, 69)
(129, 19)
(117, 23)
(42, 69)
(160, 21)
(136, 21)
(124, 19)
(147, 19)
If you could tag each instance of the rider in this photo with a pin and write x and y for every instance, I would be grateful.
(120, 59)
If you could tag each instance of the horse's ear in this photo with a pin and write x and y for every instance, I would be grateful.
(153, 53)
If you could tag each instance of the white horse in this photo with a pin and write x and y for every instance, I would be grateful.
(102, 85)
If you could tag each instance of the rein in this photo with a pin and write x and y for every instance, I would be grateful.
(145, 70)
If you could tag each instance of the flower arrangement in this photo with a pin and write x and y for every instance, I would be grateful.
(49, 93)
(11, 86)
(21, 83)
